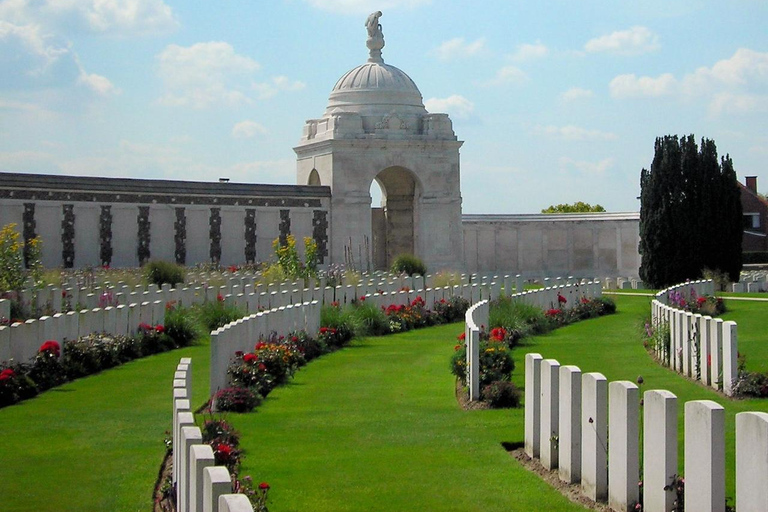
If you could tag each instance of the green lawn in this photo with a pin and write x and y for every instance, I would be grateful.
(372, 427)
(94, 444)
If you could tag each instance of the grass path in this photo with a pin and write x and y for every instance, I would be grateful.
(94, 444)
(372, 427)
(377, 427)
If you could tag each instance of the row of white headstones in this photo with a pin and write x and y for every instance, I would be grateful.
(589, 430)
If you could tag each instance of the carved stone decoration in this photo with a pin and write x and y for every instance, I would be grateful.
(320, 233)
(68, 235)
(375, 41)
(392, 122)
(215, 233)
(180, 236)
(105, 235)
(285, 226)
(28, 230)
(250, 235)
(143, 224)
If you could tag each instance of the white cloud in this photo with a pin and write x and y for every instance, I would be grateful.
(508, 75)
(634, 41)
(459, 48)
(455, 105)
(205, 74)
(365, 6)
(247, 129)
(574, 133)
(115, 17)
(278, 83)
(593, 168)
(528, 52)
(32, 60)
(632, 86)
(98, 84)
(738, 84)
(576, 93)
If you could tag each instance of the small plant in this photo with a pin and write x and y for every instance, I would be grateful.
(218, 313)
(257, 495)
(161, 272)
(179, 325)
(501, 394)
(409, 264)
(236, 399)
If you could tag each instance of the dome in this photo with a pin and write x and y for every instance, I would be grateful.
(375, 88)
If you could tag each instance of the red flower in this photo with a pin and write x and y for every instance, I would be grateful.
(260, 345)
(249, 358)
(232, 269)
(457, 347)
(294, 339)
(264, 486)
(584, 300)
(262, 367)
(362, 298)
(553, 312)
(7, 374)
(219, 298)
(51, 346)
(323, 330)
(224, 451)
(561, 299)
(462, 336)
(160, 329)
(335, 304)
(63, 294)
(700, 301)
(145, 327)
(498, 334)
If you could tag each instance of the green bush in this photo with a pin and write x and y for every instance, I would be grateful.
(180, 326)
(236, 399)
(368, 320)
(161, 272)
(215, 314)
(409, 264)
(517, 317)
(501, 394)
(496, 363)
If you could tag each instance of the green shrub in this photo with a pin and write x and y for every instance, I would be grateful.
(496, 363)
(368, 320)
(215, 314)
(409, 264)
(501, 394)
(180, 326)
(451, 310)
(161, 272)
(517, 317)
(236, 399)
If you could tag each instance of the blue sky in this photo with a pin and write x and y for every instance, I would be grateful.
(557, 101)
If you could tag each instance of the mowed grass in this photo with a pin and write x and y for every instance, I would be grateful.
(372, 427)
(95, 444)
(612, 346)
(376, 426)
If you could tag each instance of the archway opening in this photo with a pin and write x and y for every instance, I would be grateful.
(393, 220)
(314, 178)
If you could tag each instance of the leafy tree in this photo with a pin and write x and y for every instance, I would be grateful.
(578, 207)
(690, 213)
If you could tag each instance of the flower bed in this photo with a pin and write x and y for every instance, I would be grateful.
(510, 321)
(88, 355)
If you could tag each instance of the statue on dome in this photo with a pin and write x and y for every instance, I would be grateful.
(373, 26)
(375, 40)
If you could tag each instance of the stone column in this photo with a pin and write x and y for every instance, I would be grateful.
(550, 426)
(730, 356)
(623, 448)
(200, 457)
(594, 436)
(659, 449)
(216, 482)
(532, 404)
(751, 461)
(704, 456)
(569, 415)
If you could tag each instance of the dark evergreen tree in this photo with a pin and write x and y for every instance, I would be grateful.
(690, 213)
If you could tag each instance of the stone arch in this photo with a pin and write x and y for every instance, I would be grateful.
(314, 178)
(393, 224)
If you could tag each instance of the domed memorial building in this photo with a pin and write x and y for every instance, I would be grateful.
(376, 128)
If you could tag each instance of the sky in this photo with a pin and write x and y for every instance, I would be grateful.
(556, 101)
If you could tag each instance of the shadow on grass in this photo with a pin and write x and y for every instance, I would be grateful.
(512, 446)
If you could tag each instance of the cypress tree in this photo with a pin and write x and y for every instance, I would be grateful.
(690, 213)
